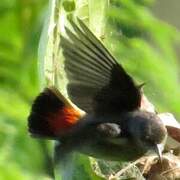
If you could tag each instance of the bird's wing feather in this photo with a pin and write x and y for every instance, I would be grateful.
(97, 83)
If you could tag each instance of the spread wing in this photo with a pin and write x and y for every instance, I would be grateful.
(97, 83)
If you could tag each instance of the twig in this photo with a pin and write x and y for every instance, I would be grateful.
(169, 170)
(119, 173)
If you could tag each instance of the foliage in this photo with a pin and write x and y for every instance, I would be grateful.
(21, 156)
(145, 48)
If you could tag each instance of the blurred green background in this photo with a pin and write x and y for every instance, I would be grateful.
(141, 42)
(21, 157)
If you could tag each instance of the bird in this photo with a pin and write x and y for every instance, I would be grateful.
(108, 123)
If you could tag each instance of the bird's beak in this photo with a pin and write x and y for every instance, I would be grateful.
(158, 149)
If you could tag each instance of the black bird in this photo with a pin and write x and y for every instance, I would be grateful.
(113, 127)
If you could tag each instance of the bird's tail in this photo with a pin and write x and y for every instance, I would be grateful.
(52, 115)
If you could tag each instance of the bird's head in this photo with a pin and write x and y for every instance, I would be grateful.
(147, 131)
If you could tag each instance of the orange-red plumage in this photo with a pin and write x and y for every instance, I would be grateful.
(52, 115)
(63, 120)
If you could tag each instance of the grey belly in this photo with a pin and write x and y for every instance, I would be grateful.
(114, 150)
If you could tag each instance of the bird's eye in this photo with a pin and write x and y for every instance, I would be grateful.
(147, 137)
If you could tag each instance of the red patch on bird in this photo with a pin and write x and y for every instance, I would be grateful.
(62, 120)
